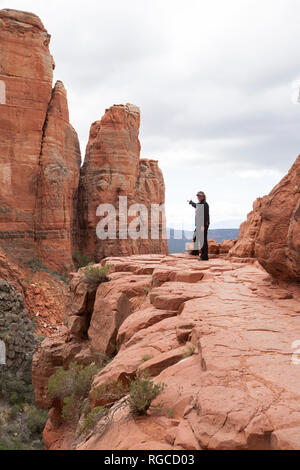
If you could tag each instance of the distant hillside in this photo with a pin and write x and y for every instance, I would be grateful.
(178, 246)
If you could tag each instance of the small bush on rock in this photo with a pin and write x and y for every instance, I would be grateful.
(93, 417)
(35, 265)
(147, 357)
(142, 393)
(61, 384)
(77, 379)
(189, 351)
(95, 275)
(70, 410)
(36, 420)
(137, 394)
(81, 260)
(72, 386)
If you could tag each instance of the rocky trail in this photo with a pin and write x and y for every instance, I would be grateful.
(219, 334)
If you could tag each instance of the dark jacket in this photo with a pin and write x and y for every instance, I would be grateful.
(206, 212)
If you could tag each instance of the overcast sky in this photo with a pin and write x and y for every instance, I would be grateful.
(216, 83)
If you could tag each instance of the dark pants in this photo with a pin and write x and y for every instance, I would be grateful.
(204, 250)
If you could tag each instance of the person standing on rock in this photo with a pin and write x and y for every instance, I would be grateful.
(202, 222)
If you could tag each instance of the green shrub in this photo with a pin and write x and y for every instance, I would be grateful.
(36, 420)
(61, 384)
(147, 357)
(72, 386)
(71, 408)
(161, 410)
(93, 417)
(14, 410)
(15, 391)
(189, 351)
(103, 360)
(14, 444)
(13, 399)
(20, 419)
(77, 379)
(35, 265)
(84, 380)
(81, 260)
(141, 394)
(60, 276)
(95, 275)
(85, 407)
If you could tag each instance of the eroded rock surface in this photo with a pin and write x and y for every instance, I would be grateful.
(221, 341)
(272, 230)
(113, 169)
(40, 155)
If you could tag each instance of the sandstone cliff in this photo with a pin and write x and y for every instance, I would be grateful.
(272, 230)
(26, 70)
(40, 156)
(112, 169)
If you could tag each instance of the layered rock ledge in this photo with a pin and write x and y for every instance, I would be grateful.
(221, 336)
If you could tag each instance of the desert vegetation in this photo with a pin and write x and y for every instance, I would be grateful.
(94, 275)
(21, 422)
(72, 388)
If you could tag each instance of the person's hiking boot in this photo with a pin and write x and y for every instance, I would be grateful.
(203, 259)
(194, 253)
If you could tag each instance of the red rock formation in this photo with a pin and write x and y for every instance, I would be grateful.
(40, 156)
(215, 248)
(272, 230)
(205, 337)
(277, 245)
(59, 163)
(26, 69)
(245, 246)
(226, 245)
(40, 160)
(113, 168)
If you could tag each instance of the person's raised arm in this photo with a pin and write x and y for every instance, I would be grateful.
(192, 204)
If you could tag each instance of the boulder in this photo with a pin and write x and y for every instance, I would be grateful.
(277, 245)
(272, 230)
